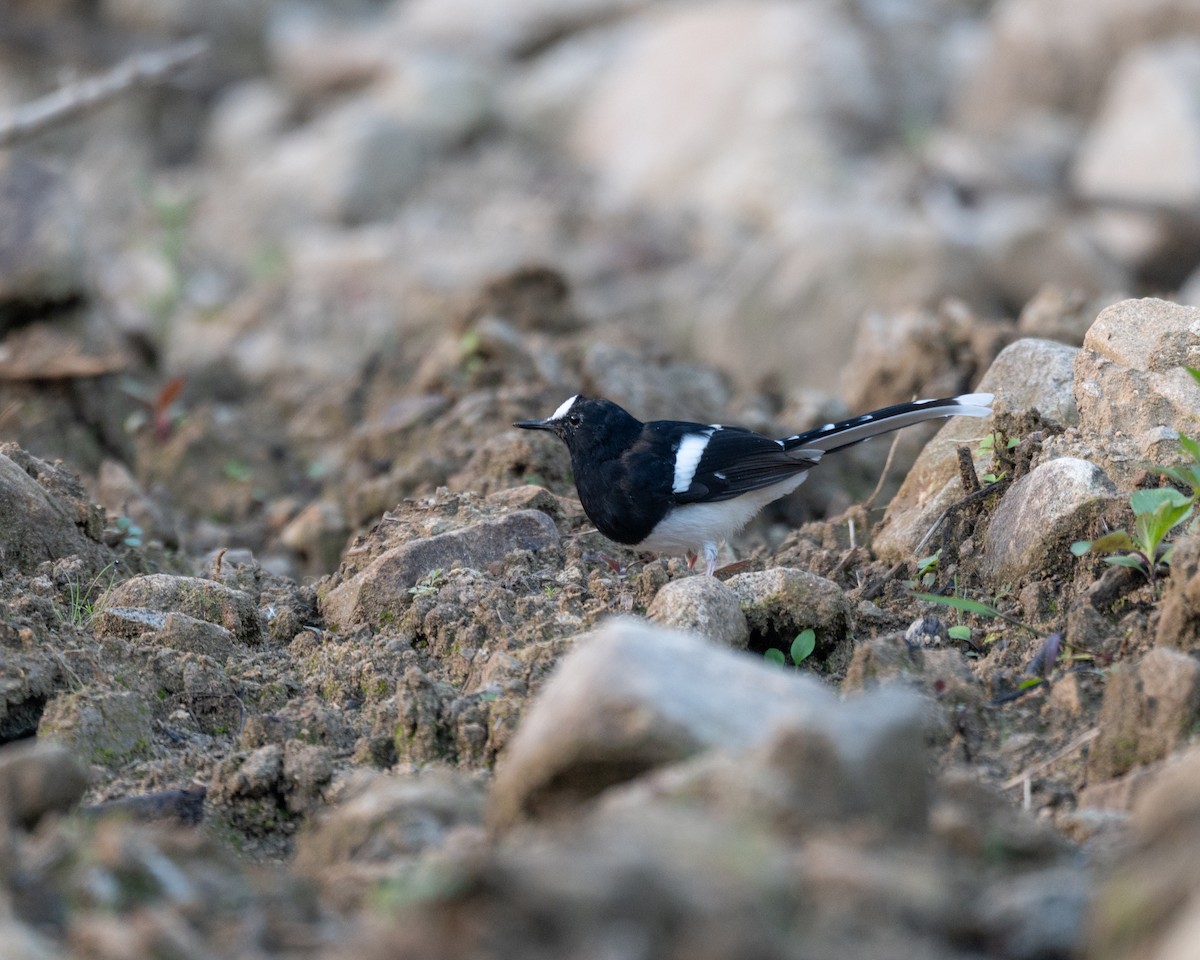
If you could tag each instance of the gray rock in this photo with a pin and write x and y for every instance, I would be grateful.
(382, 589)
(41, 234)
(1179, 621)
(38, 778)
(1028, 68)
(101, 726)
(1144, 145)
(1157, 867)
(1134, 395)
(781, 602)
(1059, 314)
(1148, 709)
(195, 597)
(375, 834)
(37, 522)
(1038, 915)
(632, 697)
(1039, 515)
(175, 630)
(933, 483)
(1050, 392)
(702, 605)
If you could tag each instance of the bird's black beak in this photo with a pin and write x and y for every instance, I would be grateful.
(534, 425)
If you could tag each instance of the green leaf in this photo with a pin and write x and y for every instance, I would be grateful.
(1080, 547)
(925, 564)
(1117, 540)
(1190, 446)
(965, 604)
(959, 631)
(1147, 501)
(803, 646)
(771, 655)
(1031, 682)
(1133, 560)
(1012, 442)
(1194, 372)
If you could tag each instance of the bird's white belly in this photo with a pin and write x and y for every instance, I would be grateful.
(690, 526)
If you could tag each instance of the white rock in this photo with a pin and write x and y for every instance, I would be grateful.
(1144, 147)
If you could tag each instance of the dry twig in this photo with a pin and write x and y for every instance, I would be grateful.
(140, 70)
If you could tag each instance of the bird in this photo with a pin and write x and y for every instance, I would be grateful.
(673, 486)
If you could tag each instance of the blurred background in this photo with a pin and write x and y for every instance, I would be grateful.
(240, 294)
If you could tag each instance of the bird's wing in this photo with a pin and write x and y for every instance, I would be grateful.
(733, 461)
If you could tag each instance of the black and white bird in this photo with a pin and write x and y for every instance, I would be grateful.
(672, 486)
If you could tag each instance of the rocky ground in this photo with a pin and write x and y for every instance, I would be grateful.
(305, 652)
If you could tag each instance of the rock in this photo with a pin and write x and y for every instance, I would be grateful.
(1179, 620)
(375, 835)
(245, 120)
(382, 589)
(1021, 244)
(912, 353)
(317, 533)
(517, 31)
(1039, 515)
(44, 515)
(195, 597)
(1148, 709)
(654, 389)
(315, 56)
(1059, 314)
(760, 105)
(101, 726)
(1050, 393)
(974, 819)
(36, 779)
(1040, 915)
(632, 697)
(1157, 874)
(866, 764)
(1144, 145)
(1040, 60)
(174, 806)
(780, 602)
(352, 163)
(704, 606)
(1134, 395)
(261, 790)
(175, 630)
(933, 483)
(122, 496)
(42, 255)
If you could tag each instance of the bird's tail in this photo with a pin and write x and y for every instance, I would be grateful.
(846, 433)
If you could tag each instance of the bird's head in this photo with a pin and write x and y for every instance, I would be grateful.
(587, 423)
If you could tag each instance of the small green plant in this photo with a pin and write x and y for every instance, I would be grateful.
(428, 584)
(988, 445)
(237, 471)
(801, 649)
(1155, 514)
(83, 600)
(131, 533)
(927, 568)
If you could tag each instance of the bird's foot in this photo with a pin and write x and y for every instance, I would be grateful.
(710, 559)
(692, 557)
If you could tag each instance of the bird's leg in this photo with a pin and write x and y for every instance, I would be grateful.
(692, 557)
(710, 558)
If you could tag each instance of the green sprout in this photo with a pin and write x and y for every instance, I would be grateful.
(801, 649)
(1155, 514)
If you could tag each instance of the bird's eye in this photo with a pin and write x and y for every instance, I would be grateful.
(574, 419)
